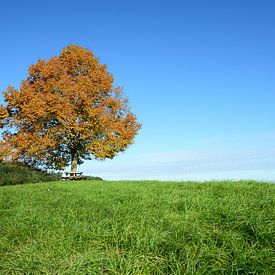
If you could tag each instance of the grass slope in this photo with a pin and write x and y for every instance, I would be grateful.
(137, 227)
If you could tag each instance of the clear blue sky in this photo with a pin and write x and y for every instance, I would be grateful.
(200, 76)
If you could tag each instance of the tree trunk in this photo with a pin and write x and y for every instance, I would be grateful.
(74, 163)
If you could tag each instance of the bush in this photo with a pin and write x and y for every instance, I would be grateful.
(93, 178)
(15, 173)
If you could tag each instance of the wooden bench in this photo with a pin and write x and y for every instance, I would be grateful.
(73, 176)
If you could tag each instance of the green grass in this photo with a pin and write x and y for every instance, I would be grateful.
(102, 227)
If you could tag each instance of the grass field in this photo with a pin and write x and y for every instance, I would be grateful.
(137, 228)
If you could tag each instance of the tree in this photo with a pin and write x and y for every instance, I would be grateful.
(66, 110)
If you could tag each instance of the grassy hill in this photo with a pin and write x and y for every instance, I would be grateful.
(102, 227)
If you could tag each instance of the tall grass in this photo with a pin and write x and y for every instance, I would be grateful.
(137, 228)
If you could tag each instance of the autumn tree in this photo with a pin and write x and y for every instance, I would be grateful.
(66, 110)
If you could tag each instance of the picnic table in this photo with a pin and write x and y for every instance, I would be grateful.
(73, 175)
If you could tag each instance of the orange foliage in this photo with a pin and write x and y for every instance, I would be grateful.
(3, 116)
(66, 110)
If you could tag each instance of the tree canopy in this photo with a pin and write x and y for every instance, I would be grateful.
(66, 110)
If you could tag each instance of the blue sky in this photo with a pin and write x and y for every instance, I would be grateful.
(200, 76)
